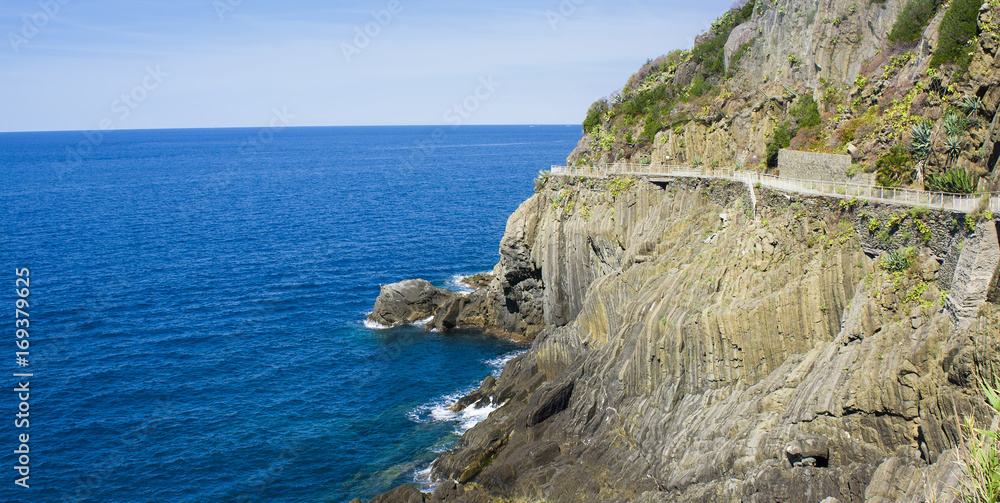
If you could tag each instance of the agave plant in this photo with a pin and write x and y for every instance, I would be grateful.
(896, 261)
(953, 146)
(956, 181)
(972, 105)
(955, 124)
(920, 140)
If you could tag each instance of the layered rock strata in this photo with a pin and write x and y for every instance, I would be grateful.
(689, 351)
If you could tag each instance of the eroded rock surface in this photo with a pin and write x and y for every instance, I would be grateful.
(692, 352)
(408, 301)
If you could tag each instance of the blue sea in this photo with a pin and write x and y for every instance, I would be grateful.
(197, 302)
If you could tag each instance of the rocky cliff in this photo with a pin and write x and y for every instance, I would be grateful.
(833, 76)
(693, 352)
(694, 343)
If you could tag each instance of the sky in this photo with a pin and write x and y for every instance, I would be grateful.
(139, 64)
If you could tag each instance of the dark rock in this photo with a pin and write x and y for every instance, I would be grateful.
(408, 301)
(480, 397)
(401, 494)
(447, 491)
(813, 451)
(549, 404)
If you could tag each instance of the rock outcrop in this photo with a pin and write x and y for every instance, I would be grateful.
(408, 301)
(692, 352)
(686, 348)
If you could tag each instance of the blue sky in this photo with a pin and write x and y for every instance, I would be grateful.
(128, 64)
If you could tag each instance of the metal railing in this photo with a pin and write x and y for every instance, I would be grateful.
(963, 203)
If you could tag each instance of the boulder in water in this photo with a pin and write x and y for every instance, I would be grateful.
(408, 301)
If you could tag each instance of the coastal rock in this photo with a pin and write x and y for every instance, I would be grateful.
(401, 494)
(773, 361)
(408, 301)
(478, 280)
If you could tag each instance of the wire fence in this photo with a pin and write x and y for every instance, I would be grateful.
(963, 203)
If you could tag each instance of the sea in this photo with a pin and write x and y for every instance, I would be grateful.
(193, 306)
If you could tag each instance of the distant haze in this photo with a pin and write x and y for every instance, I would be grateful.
(132, 64)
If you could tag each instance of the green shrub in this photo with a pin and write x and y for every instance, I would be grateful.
(780, 138)
(594, 114)
(699, 86)
(912, 21)
(652, 127)
(958, 27)
(806, 111)
(918, 212)
(542, 180)
(710, 53)
(894, 168)
(734, 60)
(617, 186)
(957, 181)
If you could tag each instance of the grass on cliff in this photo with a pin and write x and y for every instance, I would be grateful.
(982, 458)
(912, 21)
(710, 53)
(958, 27)
(649, 98)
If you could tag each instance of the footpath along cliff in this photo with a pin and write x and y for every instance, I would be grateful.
(694, 343)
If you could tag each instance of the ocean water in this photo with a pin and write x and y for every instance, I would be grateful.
(197, 300)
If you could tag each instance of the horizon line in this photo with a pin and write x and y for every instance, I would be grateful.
(447, 126)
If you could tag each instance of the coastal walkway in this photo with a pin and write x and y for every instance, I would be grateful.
(961, 203)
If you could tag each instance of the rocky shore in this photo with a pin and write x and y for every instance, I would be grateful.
(687, 351)
(691, 342)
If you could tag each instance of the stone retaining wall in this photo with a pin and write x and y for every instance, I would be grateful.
(813, 166)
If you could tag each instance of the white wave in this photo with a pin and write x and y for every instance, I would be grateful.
(440, 410)
(423, 480)
(373, 325)
(455, 284)
(499, 362)
(421, 323)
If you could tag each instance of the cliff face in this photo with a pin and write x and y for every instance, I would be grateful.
(869, 93)
(692, 346)
(693, 353)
